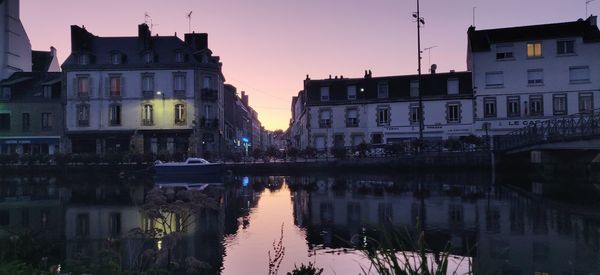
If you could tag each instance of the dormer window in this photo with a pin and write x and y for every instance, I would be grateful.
(148, 58)
(115, 58)
(84, 59)
(47, 91)
(179, 57)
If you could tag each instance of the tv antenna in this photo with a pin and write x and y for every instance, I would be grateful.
(189, 17)
(587, 3)
(474, 16)
(428, 49)
(148, 18)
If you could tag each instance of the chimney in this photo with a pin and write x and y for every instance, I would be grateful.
(144, 36)
(593, 20)
(198, 41)
(366, 74)
(244, 98)
(452, 71)
(80, 38)
(53, 51)
(433, 68)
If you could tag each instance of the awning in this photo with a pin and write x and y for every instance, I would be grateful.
(30, 140)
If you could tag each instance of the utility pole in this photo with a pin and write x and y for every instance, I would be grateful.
(420, 21)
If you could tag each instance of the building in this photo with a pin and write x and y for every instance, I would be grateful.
(344, 112)
(146, 94)
(15, 49)
(298, 122)
(523, 75)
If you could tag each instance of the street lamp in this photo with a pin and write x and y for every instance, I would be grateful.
(420, 21)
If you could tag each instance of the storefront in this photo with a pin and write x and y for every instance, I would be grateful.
(47, 145)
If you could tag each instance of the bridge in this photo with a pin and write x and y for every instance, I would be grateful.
(579, 131)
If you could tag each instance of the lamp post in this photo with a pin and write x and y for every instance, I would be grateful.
(420, 21)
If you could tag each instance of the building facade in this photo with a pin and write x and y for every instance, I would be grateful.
(344, 112)
(146, 94)
(15, 49)
(524, 75)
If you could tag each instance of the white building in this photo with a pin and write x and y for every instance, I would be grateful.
(343, 112)
(15, 49)
(523, 75)
(151, 94)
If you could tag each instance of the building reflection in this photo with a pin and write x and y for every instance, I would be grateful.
(504, 231)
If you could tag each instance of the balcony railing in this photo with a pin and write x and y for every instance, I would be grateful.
(209, 124)
(209, 94)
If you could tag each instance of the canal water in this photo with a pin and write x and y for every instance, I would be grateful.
(92, 223)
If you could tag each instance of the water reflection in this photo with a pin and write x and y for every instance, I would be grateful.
(81, 222)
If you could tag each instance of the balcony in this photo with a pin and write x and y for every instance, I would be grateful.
(209, 94)
(179, 93)
(148, 94)
(209, 124)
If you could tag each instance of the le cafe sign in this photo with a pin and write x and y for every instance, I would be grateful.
(518, 123)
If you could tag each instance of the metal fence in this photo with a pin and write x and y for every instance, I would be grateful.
(578, 126)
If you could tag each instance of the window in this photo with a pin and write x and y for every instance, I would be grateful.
(114, 115)
(494, 80)
(453, 112)
(47, 91)
(504, 52)
(324, 93)
(352, 118)
(351, 92)
(26, 122)
(5, 95)
(452, 86)
(534, 49)
(208, 83)
(83, 86)
(115, 58)
(47, 120)
(565, 47)
(357, 139)
(84, 59)
(114, 224)
(535, 77)
(414, 88)
(580, 74)
(586, 102)
(180, 114)
(83, 115)
(489, 107)
(536, 105)
(382, 90)
(4, 121)
(82, 225)
(377, 138)
(147, 115)
(320, 143)
(148, 83)
(513, 106)
(383, 115)
(179, 82)
(179, 57)
(559, 104)
(148, 58)
(324, 118)
(414, 113)
(207, 111)
(115, 86)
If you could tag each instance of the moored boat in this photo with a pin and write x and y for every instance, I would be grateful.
(191, 167)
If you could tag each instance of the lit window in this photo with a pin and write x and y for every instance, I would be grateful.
(559, 104)
(489, 107)
(115, 115)
(351, 92)
(83, 87)
(494, 79)
(536, 105)
(579, 74)
(414, 88)
(586, 102)
(383, 116)
(452, 86)
(324, 93)
(565, 47)
(534, 49)
(115, 86)
(453, 113)
(504, 52)
(382, 90)
(513, 104)
(179, 114)
(535, 77)
(147, 115)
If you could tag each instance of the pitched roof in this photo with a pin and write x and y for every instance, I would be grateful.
(40, 61)
(480, 40)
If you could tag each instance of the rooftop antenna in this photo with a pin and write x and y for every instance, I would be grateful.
(189, 17)
(587, 3)
(474, 15)
(148, 18)
(428, 49)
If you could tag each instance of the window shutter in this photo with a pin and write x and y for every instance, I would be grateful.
(108, 86)
(91, 86)
(122, 86)
(75, 87)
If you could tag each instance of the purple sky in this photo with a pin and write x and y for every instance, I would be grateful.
(268, 46)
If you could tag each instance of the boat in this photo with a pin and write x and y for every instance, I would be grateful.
(190, 168)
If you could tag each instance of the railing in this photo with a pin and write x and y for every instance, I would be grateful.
(572, 127)
(209, 94)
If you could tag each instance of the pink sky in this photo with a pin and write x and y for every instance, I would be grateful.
(268, 46)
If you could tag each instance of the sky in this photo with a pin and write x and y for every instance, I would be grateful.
(269, 46)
